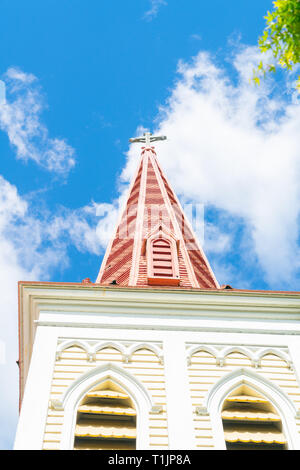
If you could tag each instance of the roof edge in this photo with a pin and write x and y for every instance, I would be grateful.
(154, 288)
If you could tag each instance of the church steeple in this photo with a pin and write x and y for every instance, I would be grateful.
(154, 243)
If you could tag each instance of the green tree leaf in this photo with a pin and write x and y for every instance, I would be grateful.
(282, 37)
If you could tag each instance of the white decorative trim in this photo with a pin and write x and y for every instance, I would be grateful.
(135, 389)
(277, 352)
(138, 323)
(110, 344)
(91, 348)
(236, 349)
(254, 354)
(151, 347)
(137, 244)
(219, 391)
(73, 342)
(194, 349)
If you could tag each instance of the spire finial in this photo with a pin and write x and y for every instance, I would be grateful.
(147, 139)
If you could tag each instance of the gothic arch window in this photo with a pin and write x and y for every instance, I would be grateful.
(250, 422)
(162, 261)
(244, 381)
(106, 419)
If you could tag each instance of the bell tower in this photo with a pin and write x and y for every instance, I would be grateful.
(155, 354)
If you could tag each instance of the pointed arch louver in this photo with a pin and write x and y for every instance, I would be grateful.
(251, 422)
(106, 419)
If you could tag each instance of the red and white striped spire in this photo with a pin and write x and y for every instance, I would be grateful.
(154, 243)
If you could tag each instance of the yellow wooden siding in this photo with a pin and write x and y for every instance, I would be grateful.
(204, 372)
(144, 365)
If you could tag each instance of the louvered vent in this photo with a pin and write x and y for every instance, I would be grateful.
(250, 422)
(106, 420)
(162, 265)
(162, 258)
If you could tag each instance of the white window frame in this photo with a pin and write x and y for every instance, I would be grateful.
(78, 389)
(281, 402)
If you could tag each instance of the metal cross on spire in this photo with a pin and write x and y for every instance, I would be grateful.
(147, 139)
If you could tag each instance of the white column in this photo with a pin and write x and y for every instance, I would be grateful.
(179, 406)
(31, 427)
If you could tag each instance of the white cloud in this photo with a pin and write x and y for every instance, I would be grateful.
(196, 36)
(215, 240)
(20, 119)
(87, 228)
(154, 8)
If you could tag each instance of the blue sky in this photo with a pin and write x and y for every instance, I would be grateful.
(103, 70)
(82, 78)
